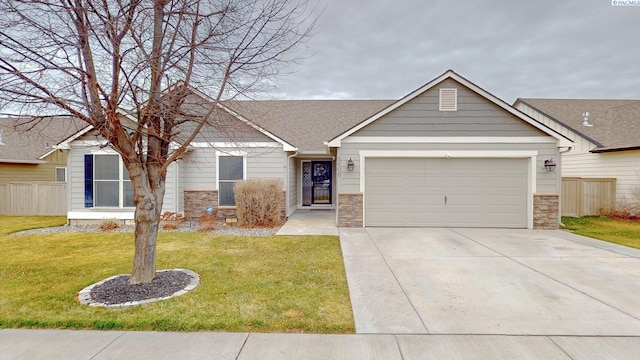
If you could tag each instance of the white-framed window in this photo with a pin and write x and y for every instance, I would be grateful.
(231, 169)
(61, 174)
(111, 184)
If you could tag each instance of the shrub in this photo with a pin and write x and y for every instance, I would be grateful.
(207, 222)
(108, 225)
(170, 220)
(258, 202)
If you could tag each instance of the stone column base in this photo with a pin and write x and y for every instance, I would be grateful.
(546, 211)
(350, 210)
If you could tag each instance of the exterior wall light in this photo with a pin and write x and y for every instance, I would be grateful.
(350, 165)
(550, 165)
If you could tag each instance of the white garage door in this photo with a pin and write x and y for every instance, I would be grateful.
(428, 192)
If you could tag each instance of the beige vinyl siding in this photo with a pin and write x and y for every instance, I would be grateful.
(180, 188)
(546, 182)
(623, 166)
(33, 172)
(293, 185)
(75, 178)
(475, 116)
(266, 163)
(199, 168)
(170, 196)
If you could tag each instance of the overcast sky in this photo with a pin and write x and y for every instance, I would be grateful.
(384, 49)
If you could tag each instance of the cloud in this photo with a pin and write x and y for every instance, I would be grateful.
(385, 49)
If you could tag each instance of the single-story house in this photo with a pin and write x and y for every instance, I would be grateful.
(27, 148)
(448, 154)
(606, 134)
(32, 171)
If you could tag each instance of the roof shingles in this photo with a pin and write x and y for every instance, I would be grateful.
(308, 124)
(616, 123)
(27, 139)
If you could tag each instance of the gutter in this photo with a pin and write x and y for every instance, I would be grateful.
(604, 150)
(26, 162)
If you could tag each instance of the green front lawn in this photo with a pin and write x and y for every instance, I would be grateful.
(261, 284)
(617, 231)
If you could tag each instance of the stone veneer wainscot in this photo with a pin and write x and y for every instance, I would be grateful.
(546, 211)
(197, 201)
(350, 210)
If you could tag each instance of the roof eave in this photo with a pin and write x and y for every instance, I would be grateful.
(26, 162)
(617, 149)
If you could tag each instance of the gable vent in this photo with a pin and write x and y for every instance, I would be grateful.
(448, 99)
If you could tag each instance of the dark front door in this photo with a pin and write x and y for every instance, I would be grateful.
(316, 182)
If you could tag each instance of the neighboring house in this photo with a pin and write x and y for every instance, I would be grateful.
(27, 152)
(32, 171)
(448, 154)
(606, 135)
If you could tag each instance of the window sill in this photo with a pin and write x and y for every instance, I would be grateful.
(112, 208)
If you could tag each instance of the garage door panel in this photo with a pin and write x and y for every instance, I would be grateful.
(479, 192)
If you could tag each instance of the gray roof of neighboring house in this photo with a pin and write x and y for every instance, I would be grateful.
(308, 124)
(616, 123)
(26, 140)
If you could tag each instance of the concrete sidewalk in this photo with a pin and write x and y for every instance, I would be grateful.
(310, 222)
(101, 345)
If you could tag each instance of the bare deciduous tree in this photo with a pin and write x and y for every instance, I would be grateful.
(93, 58)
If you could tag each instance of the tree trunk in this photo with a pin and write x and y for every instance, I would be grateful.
(147, 220)
(147, 217)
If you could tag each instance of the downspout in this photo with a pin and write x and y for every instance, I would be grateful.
(569, 148)
(286, 181)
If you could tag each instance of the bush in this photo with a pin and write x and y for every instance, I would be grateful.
(207, 222)
(258, 202)
(108, 225)
(170, 220)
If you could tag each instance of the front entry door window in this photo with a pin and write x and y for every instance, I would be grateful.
(316, 182)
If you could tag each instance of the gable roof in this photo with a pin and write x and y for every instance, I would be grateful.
(28, 140)
(616, 123)
(308, 124)
(450, 74)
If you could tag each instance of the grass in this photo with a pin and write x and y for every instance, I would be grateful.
(617, 231)
(265, 284)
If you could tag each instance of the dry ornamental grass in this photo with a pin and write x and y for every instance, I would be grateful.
(258, 202)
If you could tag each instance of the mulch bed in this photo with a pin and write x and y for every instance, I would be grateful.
(118, 290)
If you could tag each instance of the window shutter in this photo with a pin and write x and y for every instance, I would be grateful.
(88, 181)
(448, 99)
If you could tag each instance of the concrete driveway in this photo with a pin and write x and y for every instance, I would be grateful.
(490, 281)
